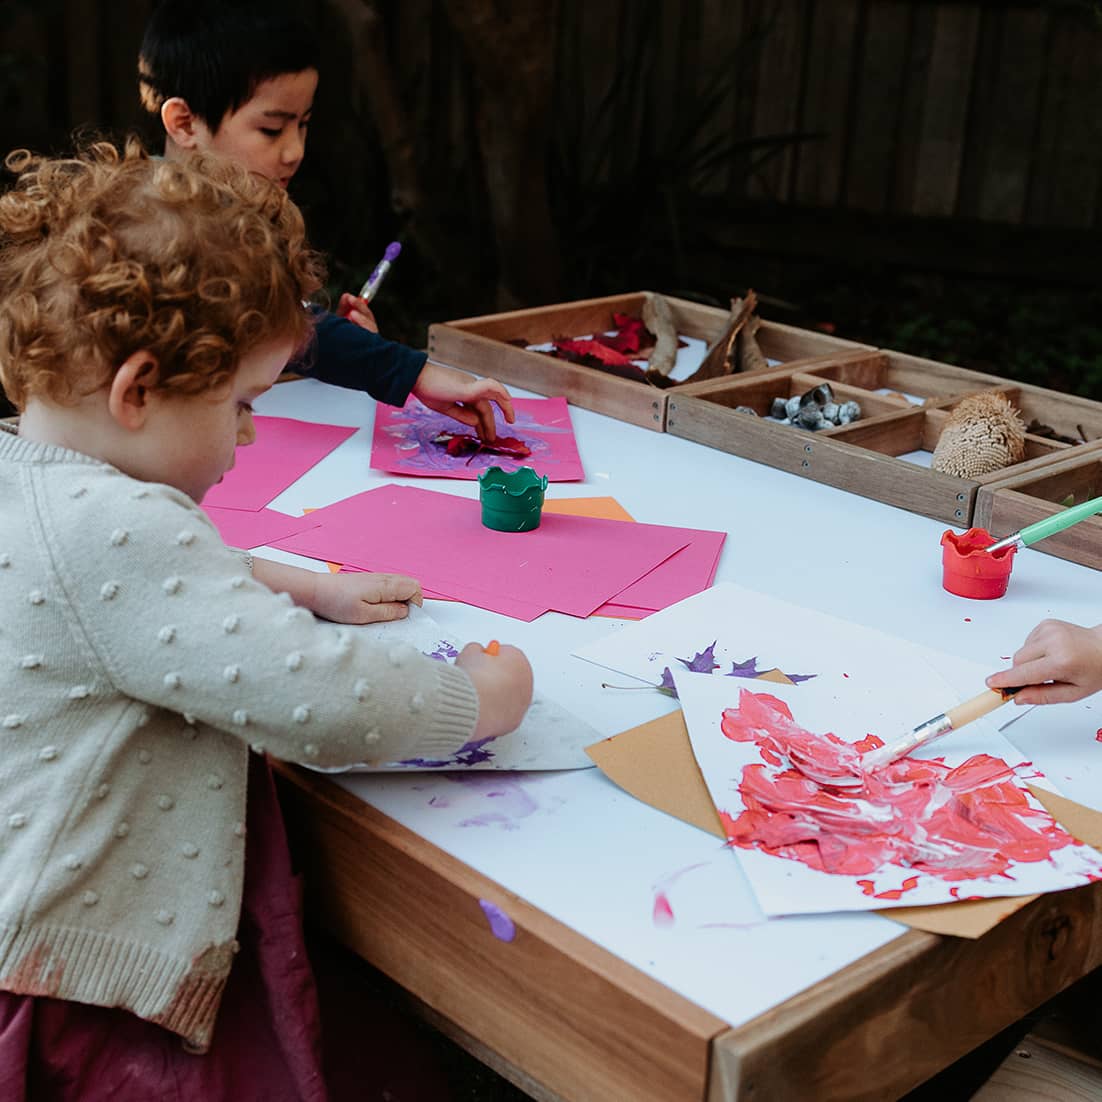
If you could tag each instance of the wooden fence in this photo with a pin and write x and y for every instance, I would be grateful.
(989, 113)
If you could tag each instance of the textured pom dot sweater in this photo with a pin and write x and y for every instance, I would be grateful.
(138, 662)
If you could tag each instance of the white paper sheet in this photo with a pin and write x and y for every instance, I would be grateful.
(549, 736)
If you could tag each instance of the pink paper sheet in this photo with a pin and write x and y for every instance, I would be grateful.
(284, 451)
(570, 563)
(403, 441)
(691, 570)
(254, 528)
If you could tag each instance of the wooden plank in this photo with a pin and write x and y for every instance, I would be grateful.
(948, 92)
(823, 458)
(1036, 1069)
(877, 107)
(1067, 159)
(889, 1021)
(587, 387)
(1018, 498)
(1007, 114)
(778, 94)
(581, 1022)
(84, 94)
(832, 45)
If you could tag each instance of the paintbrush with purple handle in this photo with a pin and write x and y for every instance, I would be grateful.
(367, 292)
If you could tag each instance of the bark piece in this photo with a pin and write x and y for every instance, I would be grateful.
(658, 318)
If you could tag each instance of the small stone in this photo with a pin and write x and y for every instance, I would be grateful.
(294, 661)
(79, 692)
(5, 560)
(139, 871)
(145, 757)
(301, 714)
(239, 830)
(810, 417)
(89, 899)
(172, 680)
(48, 753)
(36, 597)
(103, 791)
(779, 409)
(165, 803)
(831, 411)
(417, 703)
(12, 720)
(215, 898)
(791, 408)
(31, 661)
(214, 781)
(108, 591)
(17, 820)
(71, 861)
(172, 585)
(190, 850)
(165, 918)
(232, 674)
(122, 830)
(185, 538)
(167, 634)
(230, 624)
(362, 690)
(746, 409)
(310, 750)
(240, 717)
(119, 536)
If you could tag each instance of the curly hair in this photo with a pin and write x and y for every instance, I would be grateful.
(112, 252)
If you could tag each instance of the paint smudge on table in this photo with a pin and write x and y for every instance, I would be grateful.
(970, 822)
(490, 800)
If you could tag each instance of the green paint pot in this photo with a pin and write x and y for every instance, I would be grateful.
(511, 500)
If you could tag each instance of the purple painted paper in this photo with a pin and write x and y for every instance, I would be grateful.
(403, 441)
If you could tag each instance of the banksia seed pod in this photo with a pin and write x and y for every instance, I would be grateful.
(983, 434)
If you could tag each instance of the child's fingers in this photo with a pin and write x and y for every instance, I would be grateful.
(1056, 692)
(395, 587)
(384, 612)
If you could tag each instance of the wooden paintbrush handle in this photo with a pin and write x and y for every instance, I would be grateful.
(978, 706)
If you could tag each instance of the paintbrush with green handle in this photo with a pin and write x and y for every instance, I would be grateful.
(1049, 526)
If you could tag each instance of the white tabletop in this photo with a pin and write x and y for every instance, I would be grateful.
(574, 844)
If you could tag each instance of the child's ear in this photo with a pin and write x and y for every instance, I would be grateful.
(181, 124)
(129, 393)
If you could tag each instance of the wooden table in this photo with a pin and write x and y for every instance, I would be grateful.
(589, 1000)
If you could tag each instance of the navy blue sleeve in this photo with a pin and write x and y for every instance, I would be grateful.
(345, 355)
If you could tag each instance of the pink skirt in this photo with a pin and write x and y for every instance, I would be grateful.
(267, 1040)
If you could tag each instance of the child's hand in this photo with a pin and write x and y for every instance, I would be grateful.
(503, 682)
(356, 310)
(464, 397)
(1058, 662)
(364, 598)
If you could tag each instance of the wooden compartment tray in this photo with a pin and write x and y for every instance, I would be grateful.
(483, 345)
(1019, 499)
(905, 402)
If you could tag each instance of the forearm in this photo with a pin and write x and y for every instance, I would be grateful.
(301, 585)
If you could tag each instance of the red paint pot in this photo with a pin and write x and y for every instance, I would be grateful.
(969, 571)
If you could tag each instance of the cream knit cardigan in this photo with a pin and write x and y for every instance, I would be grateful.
(138, 662)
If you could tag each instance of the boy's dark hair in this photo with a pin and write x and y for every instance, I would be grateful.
(214, 53)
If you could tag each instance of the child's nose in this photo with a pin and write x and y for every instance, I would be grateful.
(294, 148)
(246, 429)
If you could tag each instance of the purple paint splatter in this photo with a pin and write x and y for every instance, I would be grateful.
(501, 925)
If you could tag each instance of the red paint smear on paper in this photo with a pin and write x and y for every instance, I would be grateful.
(968, 619)
(962, 823)
(1098, 735)
(663, 912)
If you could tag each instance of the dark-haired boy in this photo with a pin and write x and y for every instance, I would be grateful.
(238, 77)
